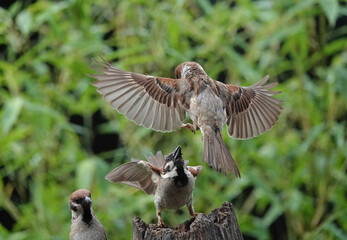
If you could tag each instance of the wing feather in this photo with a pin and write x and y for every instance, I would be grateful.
(140, 110)
(136, 174)
(252, 110)
(155, 119)
(149, 113)
(157, 96)
(157, 160)
(134, 105)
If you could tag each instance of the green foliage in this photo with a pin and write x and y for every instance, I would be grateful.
(293, 183)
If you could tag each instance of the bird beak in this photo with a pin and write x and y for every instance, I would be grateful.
(87, 201)
(177, 153)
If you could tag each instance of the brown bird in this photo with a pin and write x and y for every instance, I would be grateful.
(169, 178)
(161, 104)
(84, 224)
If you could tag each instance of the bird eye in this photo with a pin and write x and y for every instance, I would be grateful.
(78, 200)
(73, 206)
(168, 167)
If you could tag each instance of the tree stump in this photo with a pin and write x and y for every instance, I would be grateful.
(220, 224)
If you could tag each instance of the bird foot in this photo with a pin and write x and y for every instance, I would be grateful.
(161, 224)
(189, 126)
(160, 220)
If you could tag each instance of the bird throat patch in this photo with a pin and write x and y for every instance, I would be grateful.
(181, 180)
(87, 215)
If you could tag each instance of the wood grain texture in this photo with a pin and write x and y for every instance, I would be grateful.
(221, 224)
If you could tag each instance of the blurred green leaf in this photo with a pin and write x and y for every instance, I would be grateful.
(336, 231)
(10, 115)
(85, 173)
(24, 22)
(330, 8)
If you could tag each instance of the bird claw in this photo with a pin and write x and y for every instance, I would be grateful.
(161, 224)
(160, 220)
(189, 126)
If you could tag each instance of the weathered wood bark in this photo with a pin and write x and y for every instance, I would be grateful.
(220, 224)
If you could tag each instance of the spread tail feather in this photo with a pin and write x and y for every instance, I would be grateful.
(216, 153)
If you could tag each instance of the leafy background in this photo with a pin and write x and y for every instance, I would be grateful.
(57, 134)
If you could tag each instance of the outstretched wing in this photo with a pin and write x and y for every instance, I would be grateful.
(252, 110)
(146, 100)
(157, 160)
(137, 174)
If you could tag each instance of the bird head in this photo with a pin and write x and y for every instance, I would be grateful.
(80, 202)
(188, 69)
(174, 160)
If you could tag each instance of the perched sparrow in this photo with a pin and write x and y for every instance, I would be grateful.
(84, 224)
(161, 103)
(169, 178)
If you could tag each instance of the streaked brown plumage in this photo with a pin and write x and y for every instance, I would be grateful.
(169, 179)
(161, 103)
(84, 224)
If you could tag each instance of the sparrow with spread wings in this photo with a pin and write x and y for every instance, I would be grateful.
(162, 103)
(169, 178)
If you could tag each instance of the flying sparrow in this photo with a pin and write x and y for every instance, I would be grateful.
(162, 103)
(169, 178)
(84, 224)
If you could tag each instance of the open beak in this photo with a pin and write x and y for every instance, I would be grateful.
(177, 153)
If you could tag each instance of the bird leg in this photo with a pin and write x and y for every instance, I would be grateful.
(160, 220)
(191, 210)
(191, 127)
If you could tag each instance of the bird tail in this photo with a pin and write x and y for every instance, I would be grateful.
(216, 153)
